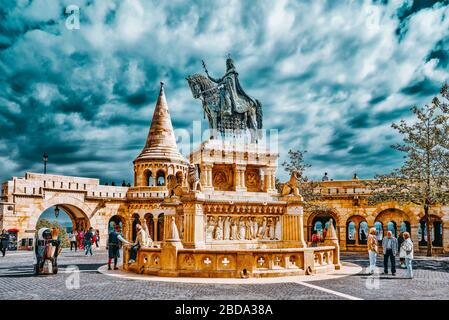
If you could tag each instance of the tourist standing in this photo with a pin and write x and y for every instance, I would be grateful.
(114, 240)
(81, 239)
(97, 237)
(372, 250)
(401, 252)
(73, 235)
(88, 241)
(4, 241)
(390, 248)
(315, 239)
(407, 247)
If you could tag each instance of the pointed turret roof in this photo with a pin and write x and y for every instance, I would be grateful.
(161, 142)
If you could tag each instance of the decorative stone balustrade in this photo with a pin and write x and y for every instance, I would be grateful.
(237, 263)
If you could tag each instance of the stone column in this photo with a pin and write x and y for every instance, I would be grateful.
(273, 180)
(154, 176)
(130, 229)
(194, 220)
(155, 220)
(240, 178)
(445, 237)
(342, 236)
(206, 176)
(270, 180)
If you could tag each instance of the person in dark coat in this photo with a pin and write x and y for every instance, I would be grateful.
(401, 258)
(114, 240)
(4, 241)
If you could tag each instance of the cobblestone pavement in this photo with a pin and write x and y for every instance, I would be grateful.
(18, 282)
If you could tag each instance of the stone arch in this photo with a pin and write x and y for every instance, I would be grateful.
(161, 177)
(323, 217)
(76, 209)
(411, 216)
(358, 235)
(391, 219)
(149, 218)
(160, 226)
(436, 229)
(148, 177)
(135, 222)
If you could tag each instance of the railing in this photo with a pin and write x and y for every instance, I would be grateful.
(236, 262)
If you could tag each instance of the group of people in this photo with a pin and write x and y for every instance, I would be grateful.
(116, 240)
(84, 240)
(391, 246)
(318, 236)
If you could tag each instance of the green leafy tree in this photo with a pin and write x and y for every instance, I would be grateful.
(423, 178)
(44, 223)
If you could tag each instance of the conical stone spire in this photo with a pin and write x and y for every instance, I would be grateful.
(161, 142)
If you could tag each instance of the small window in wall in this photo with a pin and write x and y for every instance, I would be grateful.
(351, 232)
(160, 178)
(391, 226)
(149, 178)
(363, 232)
(379, 230)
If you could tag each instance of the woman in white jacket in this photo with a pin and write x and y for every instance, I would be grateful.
(407, 252)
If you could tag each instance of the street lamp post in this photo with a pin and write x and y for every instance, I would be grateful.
(56, 212)
(45, 157)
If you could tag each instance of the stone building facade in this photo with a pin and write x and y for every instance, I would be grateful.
(238, 205)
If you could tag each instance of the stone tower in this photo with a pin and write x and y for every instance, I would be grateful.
(160, 160)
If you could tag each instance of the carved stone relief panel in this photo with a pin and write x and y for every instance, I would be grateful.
(243, 228)
(222, 177)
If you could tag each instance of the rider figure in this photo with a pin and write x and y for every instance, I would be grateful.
(228, 91)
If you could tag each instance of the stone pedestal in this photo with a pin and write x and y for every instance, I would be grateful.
(194, 220)
(293, 223)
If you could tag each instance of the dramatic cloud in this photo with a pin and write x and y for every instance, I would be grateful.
(331, 75)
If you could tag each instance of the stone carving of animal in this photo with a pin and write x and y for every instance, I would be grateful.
(194, 178)
(291, 187)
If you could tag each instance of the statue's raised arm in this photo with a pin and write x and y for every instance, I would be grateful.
(217, 81)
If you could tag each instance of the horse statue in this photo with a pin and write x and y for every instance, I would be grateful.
(224, 102)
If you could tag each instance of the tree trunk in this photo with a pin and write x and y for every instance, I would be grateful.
(429, 236)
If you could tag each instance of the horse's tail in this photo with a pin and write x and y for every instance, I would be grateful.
(259, 114)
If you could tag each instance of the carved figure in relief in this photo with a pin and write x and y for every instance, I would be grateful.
(249, 229)
(262, 228)
(242, 229)
(210, 228)
(234, 230)
(271, 234)
(255, 225)
(227, 228)
(278, 230)
(219, 229)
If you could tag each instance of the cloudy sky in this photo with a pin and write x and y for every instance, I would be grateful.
(331, 75)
